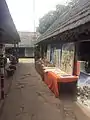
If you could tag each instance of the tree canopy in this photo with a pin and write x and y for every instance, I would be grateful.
(48, 19)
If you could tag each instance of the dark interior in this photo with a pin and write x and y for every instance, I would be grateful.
(83, 51)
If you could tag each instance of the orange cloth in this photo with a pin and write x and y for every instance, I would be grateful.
(51, 80)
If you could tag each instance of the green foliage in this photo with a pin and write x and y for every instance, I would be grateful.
(73, 2)
(47, 20)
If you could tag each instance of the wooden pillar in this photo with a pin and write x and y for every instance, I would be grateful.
(17, 52)
(76, 65)
(2, 53)
(40, 51)
(14, 45)
(14, 50)
(45, 51)
(61, 54)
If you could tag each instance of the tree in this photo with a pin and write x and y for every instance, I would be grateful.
(60, 9)
(73, 2)
(47, 20)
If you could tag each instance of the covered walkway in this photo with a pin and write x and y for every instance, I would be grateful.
(29, 98)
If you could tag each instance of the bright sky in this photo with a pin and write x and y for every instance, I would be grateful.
(22, 12)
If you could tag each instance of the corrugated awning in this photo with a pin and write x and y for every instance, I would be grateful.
(8, 32)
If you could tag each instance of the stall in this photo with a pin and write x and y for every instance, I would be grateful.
(68, 35)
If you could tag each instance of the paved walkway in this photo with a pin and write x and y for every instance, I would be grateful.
(29, 98)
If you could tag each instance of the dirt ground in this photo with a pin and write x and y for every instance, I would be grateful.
(29, 98)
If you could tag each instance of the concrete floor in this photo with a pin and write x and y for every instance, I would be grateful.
(29, 97)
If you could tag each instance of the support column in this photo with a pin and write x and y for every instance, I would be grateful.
(2, 73)
(45, 51)
(14, 51)
(40, 50)
(61, 54)
(75, 60)
(76, 66)
(14, 45)
(17, 52)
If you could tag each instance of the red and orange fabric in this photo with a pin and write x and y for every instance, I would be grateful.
(51, 80)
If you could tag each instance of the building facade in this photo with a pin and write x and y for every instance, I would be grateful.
(26, 46)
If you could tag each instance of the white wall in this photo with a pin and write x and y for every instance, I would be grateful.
(29, 52)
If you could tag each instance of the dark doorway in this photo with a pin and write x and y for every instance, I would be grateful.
(21, 52)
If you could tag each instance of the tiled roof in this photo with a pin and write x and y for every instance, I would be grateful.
(28, 39)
